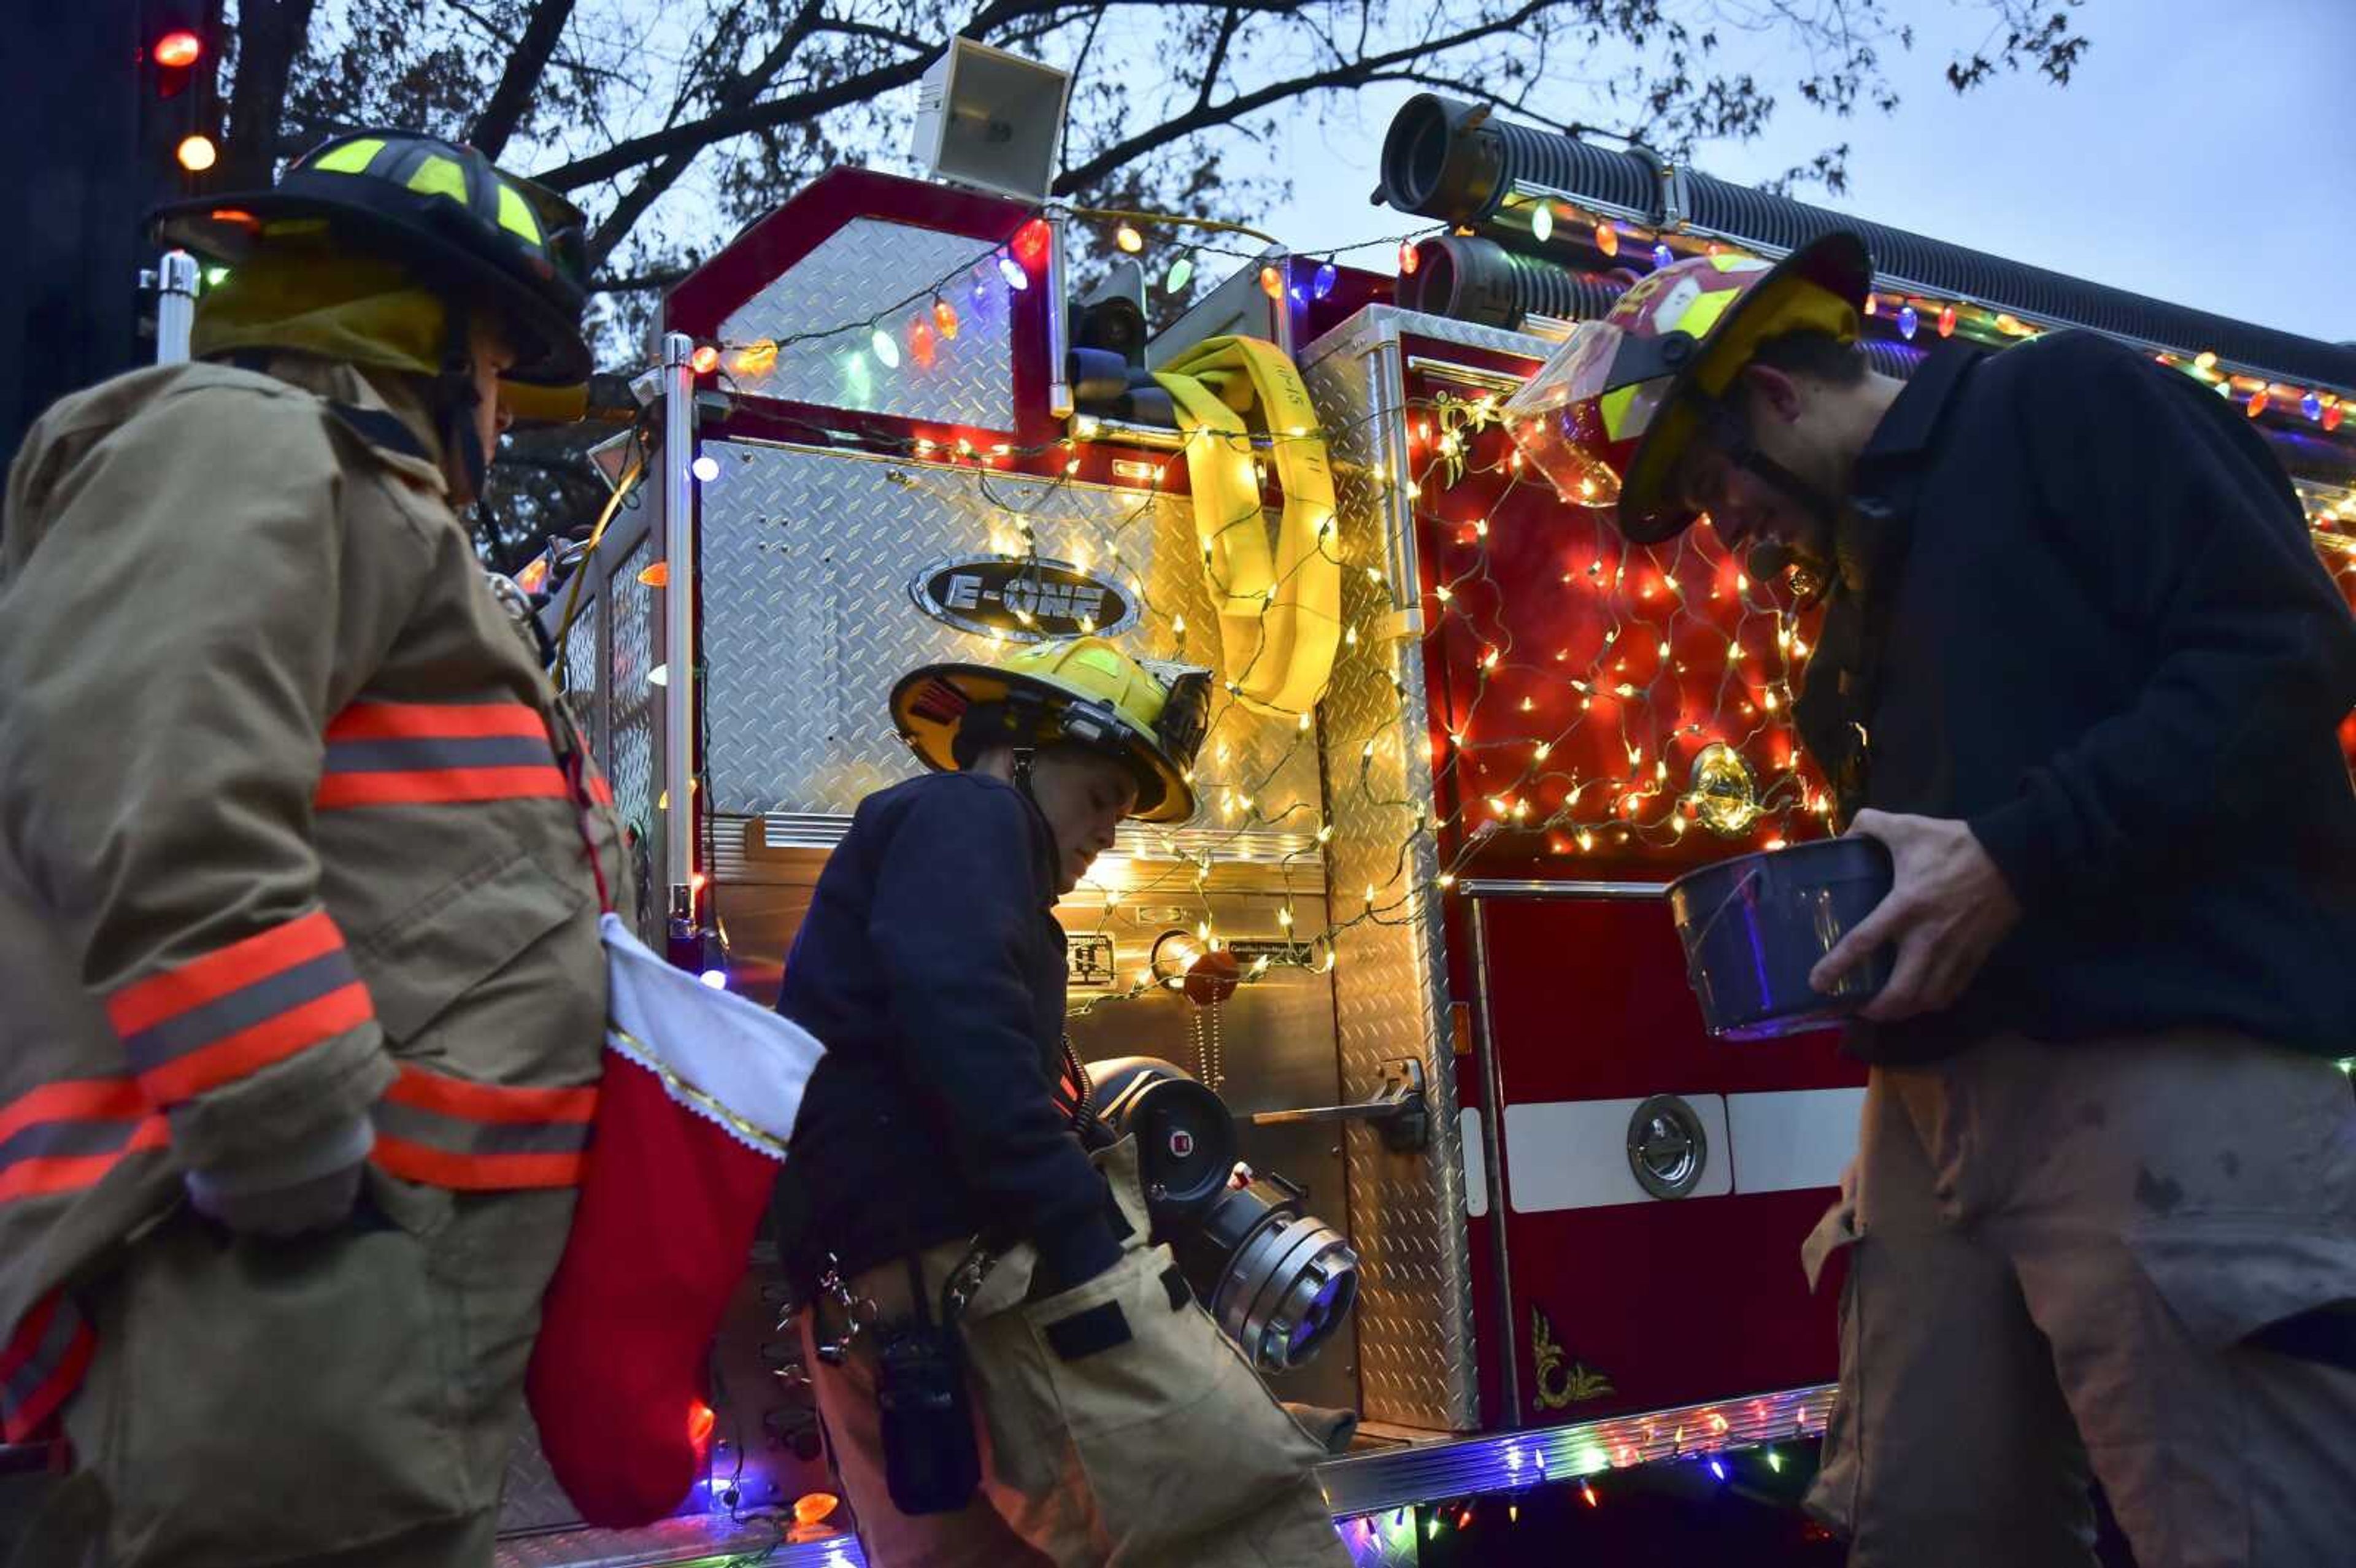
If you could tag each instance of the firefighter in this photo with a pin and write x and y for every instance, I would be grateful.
(301, 866)
(2081, 671)
(1110, 1420)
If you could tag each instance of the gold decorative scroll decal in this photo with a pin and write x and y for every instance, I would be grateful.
(1559, 1387)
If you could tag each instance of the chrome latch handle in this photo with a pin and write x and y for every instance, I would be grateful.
(1401, 1112)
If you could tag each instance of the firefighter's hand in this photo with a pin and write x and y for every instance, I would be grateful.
(1947, 909)
(310, 1188)
(278, 1214)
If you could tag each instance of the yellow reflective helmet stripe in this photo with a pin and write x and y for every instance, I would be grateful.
(352, 158)
(1703, 313)
(1614, 405)
(515, 214)
(1094, 667)
(438, 176)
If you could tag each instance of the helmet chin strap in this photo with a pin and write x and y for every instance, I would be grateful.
(1023, 758)
(459, 397)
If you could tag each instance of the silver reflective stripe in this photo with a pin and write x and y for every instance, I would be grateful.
(467, 1135)
(243, 1008)
(421, 756)
(26, 1380)
(65, 1139)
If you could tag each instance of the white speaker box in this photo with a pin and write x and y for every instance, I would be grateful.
(992, 120)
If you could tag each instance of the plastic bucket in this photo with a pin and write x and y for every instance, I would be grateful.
(1754, 926)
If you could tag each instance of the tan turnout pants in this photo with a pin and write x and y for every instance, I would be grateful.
(344, 1401)
(2057, 1256)
(1162, 1451)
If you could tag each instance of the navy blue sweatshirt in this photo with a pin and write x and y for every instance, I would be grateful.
(2094, 628)
(932, 970)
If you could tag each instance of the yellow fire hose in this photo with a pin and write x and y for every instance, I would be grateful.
(1278, 599)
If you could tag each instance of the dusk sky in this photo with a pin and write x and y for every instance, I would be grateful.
(2205, 153)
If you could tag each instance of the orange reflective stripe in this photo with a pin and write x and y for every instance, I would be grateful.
(68, 1155)
(437, 753)
(474, 1137)
(201, 980)
(75, 1100)
(491, 1102)
(439, 787)
(251, 1050)
(41, 1363)
(599, 790)
(435, 721)
(476, 1172)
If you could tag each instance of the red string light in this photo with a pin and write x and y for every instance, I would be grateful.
(1030, 241)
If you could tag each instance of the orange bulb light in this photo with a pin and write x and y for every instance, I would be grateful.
(1410, 259)
(700, 1420)
(179, 48)
(705, 359)
(945, 316)
(1607, 239)
(196, 154)
(1271, 281)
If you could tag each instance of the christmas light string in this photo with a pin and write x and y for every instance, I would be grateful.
(1642, 808)
(1383, 904)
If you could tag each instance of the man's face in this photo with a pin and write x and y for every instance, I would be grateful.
(1785, 421)
(491, 358)
(1083, 796)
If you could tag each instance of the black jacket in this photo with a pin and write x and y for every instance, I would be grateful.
(931, 969)
(2095, 626)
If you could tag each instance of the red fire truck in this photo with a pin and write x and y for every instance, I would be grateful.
(1463, 1028)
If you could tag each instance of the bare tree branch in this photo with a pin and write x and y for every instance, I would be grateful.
(270, 35)
(811, 103)
(1205, 117)
(521, 77)
(738, 90)
(1228, 22)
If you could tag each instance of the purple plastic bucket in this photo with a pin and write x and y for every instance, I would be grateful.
(1754, 926)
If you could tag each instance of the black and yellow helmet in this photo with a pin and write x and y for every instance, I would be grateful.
(1149, 715)
(446, 211)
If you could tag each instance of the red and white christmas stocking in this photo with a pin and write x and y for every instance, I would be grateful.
(697, 1099)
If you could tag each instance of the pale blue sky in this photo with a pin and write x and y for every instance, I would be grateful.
(2206, 154)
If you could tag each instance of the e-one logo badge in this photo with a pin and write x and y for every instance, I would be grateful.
(1027, 600)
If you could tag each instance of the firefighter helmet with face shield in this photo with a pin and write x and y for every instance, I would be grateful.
(1615, 409)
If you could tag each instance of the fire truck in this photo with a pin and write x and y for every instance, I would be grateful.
(881, 429)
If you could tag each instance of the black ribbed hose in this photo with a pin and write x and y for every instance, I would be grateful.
(1480, 281)
(1452, 161)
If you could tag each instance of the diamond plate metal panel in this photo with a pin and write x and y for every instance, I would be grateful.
(529, 1498)
(1383, 1541)
(1366, 1483)
(970, 377)
(1406, 1212)
(634, 710)
(583, 666)
(680, 1543)
(806, 558)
